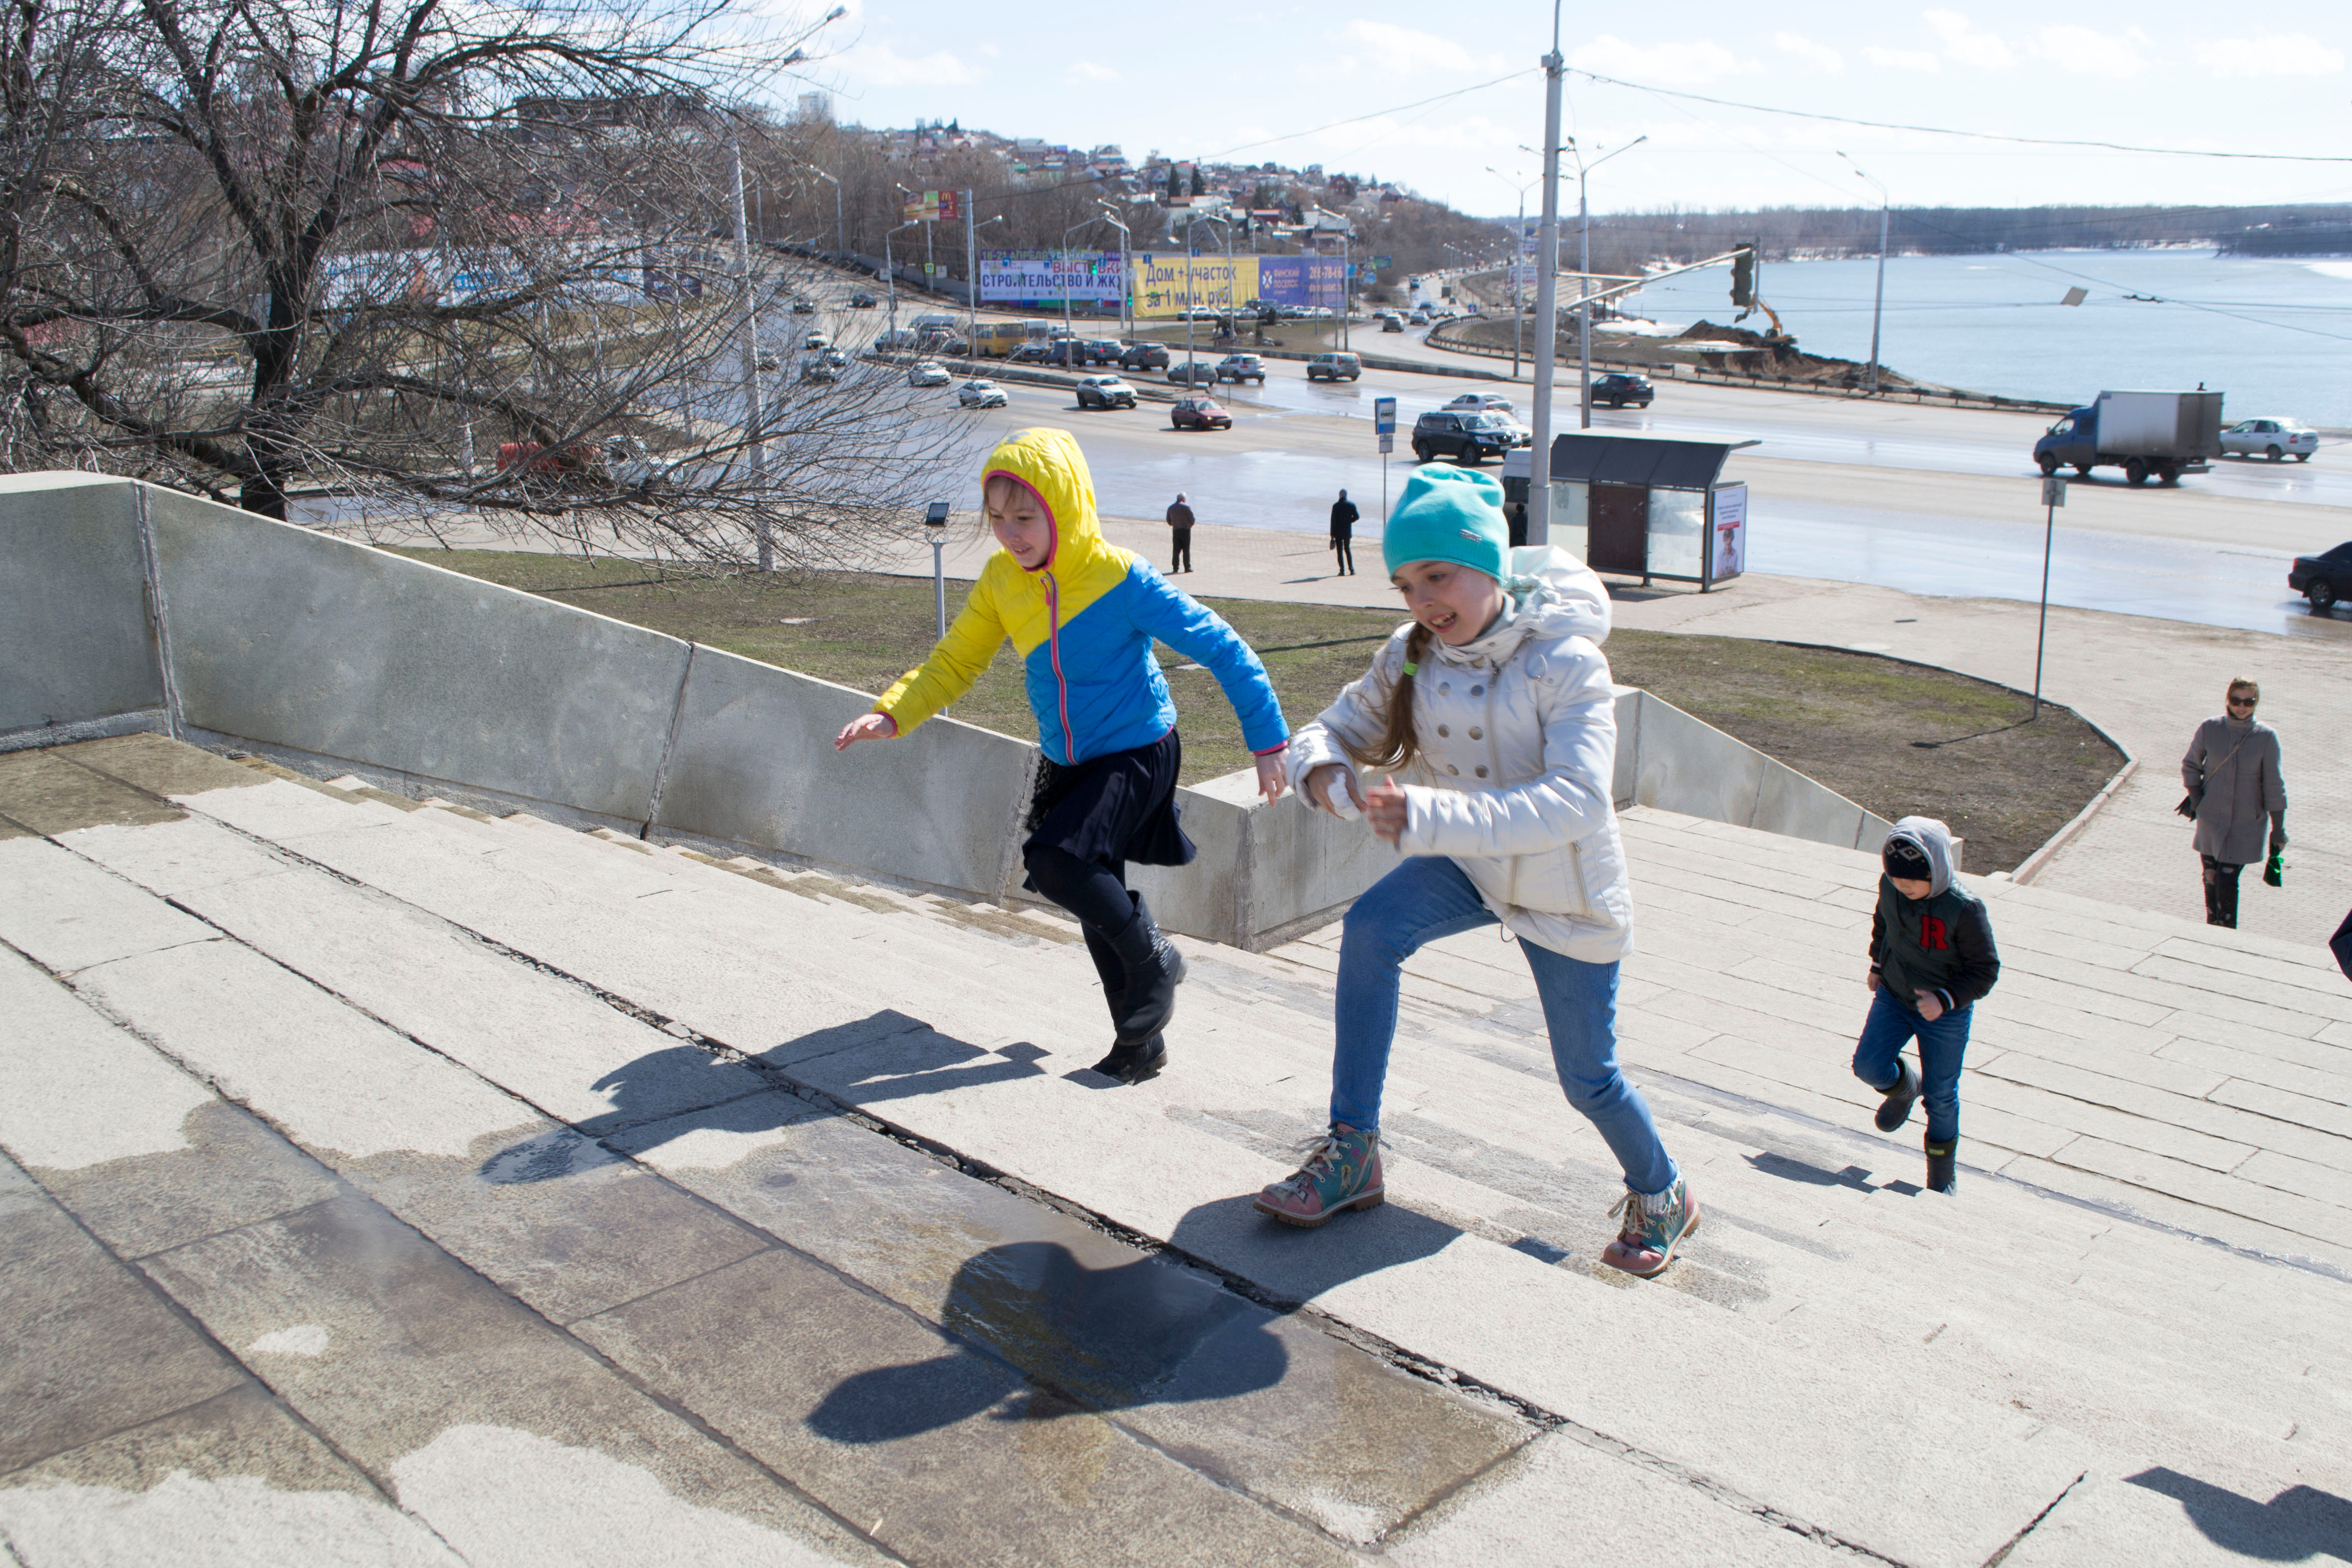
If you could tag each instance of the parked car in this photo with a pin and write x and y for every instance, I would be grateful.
(1199, 413)
(1481, 403)
(1144, 356)
(928, 372)
(980, 395)
(1192, 373)
(861, 300)
(815, 341)
(803, 306)
(897, 338)
(1466, 437)
(1241, 367)
(818, 367)
(1619, 388)
(2323, 579)
(1103, 351)
(2273, 438)
(1031, 353)
(1335, 367)
(1105, 392)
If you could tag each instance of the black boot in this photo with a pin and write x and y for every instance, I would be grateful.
(1154, 970)
(2225, 896)
(1134, 1063)
(1943, 1167)
(1897, 1110)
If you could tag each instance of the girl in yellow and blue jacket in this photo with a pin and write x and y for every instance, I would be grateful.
(1083, 615)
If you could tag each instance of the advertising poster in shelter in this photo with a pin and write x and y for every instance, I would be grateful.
(1049, 277)
(1728, 555)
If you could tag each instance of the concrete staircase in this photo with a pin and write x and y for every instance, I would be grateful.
(395, 1183)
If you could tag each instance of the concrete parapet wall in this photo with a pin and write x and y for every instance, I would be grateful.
(337, 657)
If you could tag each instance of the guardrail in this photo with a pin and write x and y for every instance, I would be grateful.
(1672, 370)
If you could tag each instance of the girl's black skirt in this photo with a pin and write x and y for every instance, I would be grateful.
(1114, 808)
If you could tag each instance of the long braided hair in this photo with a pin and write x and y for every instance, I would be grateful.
(1397, 743)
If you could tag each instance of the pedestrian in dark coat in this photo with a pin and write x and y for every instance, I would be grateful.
(1180, 526)
(1518, 520)
(2232, 774)
(1343, 534)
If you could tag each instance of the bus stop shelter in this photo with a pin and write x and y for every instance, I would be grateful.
(1643, 507)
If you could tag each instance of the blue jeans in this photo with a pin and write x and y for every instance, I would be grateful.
(1427, 897)
(1942, 1044)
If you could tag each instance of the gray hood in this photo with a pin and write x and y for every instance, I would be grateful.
(1935, 841)
(1549, 594)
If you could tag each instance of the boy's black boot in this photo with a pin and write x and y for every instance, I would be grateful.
(1897, 1110)
(1134, 1063)
(1943, 1165)
(1154, 970)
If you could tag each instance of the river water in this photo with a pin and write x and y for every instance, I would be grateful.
(2271, 333)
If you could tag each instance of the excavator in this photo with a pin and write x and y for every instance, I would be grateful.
(1744, 294)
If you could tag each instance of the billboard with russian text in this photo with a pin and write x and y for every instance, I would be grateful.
(1042, 277)
(1165, 285)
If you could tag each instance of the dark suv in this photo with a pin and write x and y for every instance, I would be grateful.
(2323, 579)
(1464, 438)
(1144, 356)
(1617, 389)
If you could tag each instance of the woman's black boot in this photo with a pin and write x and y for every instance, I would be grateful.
(1897, 1110)
(1134, 1063)
(1943, 1166)
(1154, 970)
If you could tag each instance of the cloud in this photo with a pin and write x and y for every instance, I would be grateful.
(1902, 59)
(1963, 42)
(2272, 54)
(1822, 56)
(1701, 61)
(879, 64)
(2087, 53)
(1402, 51)
(1087, 70)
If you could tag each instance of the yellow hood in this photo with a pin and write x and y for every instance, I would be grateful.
(1049, 462)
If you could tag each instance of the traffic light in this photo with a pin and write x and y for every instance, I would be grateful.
(1743, 276)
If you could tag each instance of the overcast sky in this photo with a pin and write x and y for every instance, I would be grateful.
(1253, 83)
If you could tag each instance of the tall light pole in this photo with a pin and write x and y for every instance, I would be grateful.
(1878, 303)
(755, 414)
(1068, 333)
(972, 276)
(1110, 216)
(890, 277)
(840, 221)
(1584, 274)
(1519, 245)
(1546, 299)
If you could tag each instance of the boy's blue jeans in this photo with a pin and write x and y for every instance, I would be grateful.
(1942, 1045)
(1425, 899)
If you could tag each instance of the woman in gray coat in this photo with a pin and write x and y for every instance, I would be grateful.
(2232, 773)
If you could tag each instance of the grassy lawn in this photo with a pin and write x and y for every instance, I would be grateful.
(1896, 738)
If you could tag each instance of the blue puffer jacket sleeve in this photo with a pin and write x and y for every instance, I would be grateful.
(1201, 635)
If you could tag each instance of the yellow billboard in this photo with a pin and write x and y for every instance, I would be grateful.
(1165, 285)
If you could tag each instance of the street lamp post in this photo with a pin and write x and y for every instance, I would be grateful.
(1110, 216)
(755, 414)
(1546, 299)
(1584, 273)
(1879, 302)
(890, 277)
(1518, 243)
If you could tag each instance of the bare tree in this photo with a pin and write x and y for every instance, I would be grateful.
(415, 259)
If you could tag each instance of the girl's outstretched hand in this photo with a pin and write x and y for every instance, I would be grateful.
(1273, 776)
(1316, 786)
(866, 727)
(1385, 808)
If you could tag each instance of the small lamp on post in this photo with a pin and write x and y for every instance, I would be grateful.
(935, 525)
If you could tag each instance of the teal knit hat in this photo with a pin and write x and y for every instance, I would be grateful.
(1449, 514)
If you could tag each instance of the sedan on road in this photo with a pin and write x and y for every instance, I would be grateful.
(1192, 373)
(980, 395)
(928, 372)
(2323, 579)
(2273, 438)
(1481, 403)
(1199, 413)
(1105, 392)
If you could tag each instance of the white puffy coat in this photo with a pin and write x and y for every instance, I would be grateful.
(1517, 736)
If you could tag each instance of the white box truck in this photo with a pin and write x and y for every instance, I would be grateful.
(2164, 434)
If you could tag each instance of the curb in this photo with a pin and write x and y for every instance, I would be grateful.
(2034, 863)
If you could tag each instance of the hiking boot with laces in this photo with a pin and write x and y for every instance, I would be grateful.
(1650, 1230)
(1342, 1171)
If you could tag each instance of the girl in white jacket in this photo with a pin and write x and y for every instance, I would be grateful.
(1496, 708)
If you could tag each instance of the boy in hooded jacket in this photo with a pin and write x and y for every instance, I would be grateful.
(1082, 614)
(1932, 959)
(1494, 708)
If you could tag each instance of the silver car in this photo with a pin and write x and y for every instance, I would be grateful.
(928, 372)
(980, 395)
(2276, 439)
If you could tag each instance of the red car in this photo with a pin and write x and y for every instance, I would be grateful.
(1199, 413)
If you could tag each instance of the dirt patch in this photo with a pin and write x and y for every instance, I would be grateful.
(1854, 722)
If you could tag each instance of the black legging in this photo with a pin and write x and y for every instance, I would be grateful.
(1096, 894)
(2221, 892)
